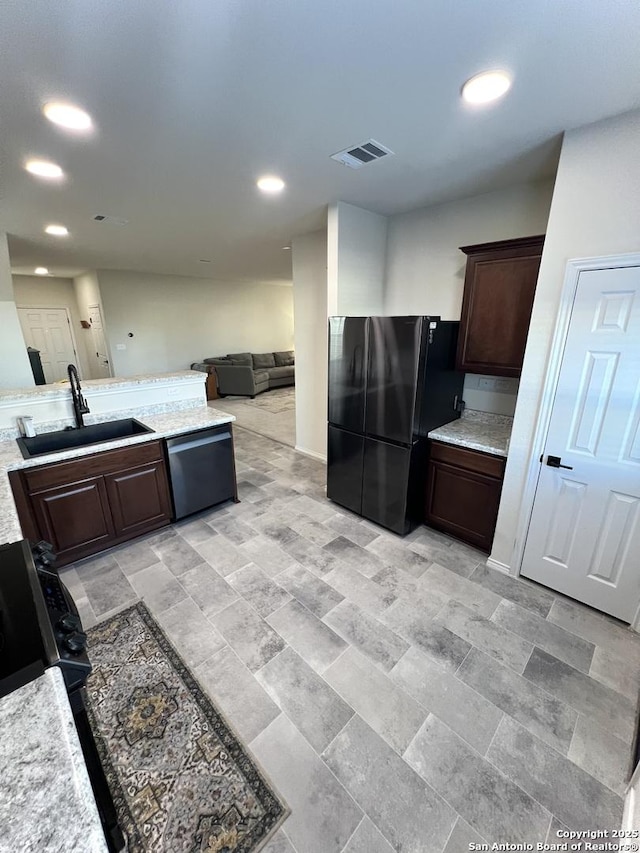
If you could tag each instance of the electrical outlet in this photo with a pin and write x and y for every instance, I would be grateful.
(121, 346)
(487, 383)
(504, 385)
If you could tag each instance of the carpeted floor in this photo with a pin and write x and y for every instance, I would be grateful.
(181, 780)
(272, 414)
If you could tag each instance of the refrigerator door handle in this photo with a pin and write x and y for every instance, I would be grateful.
(357, 360)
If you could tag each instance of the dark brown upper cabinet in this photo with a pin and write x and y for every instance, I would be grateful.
(499, 286)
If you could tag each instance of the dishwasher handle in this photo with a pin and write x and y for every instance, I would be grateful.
(177, 446)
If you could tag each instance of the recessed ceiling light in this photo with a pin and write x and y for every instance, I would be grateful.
(43, 169)
(57, 230)
(270, 184)
(41, 271)
(66, 115)
(286, 247)
(486, 87)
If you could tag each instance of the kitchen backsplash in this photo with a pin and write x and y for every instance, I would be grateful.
(495, 394)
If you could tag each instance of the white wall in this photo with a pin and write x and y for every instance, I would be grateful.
(356, 252)
(53, 292)
(15, 369)
(310, 303)
(177, 320)
(595, 212)
(425, 267)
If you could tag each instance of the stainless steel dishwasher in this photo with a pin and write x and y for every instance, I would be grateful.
(201, 469)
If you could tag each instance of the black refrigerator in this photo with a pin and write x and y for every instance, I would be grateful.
(391, 381)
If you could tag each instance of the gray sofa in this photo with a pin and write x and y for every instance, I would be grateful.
(248, 374)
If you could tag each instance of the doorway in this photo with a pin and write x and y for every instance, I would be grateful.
(584, 531)
(49, 330)
(101, 362)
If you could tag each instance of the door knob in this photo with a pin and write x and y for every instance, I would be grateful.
(556, 462)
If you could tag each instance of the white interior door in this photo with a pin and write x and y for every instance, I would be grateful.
(102, 364)
(49, 330)
(584, 535)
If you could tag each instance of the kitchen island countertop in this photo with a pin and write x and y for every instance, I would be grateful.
(46, 799)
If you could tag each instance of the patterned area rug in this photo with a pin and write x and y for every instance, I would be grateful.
(272, 413)
(180, 778)
(277, 400)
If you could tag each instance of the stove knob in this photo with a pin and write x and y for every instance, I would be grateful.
(76, 643)
(69, 623)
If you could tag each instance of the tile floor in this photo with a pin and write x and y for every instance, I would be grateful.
(399, 694)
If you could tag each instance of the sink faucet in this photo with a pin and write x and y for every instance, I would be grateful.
(80, 407)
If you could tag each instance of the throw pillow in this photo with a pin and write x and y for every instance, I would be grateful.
(263, 360)
(240, 358)
(284, 359)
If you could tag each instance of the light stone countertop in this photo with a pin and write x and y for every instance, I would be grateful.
(477, 431)
(164, 425)
(58, 389)
(46, 800)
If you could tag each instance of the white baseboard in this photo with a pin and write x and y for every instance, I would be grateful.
(312, 453)
(498, 566)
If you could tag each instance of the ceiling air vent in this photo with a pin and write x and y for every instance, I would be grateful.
(362, 155)
(110, 220)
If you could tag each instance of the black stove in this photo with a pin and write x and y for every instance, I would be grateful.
(39, 622)
(40, 627)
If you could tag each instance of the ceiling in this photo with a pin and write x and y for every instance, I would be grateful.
(193, 100)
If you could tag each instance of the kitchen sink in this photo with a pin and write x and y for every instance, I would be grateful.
(67, 439)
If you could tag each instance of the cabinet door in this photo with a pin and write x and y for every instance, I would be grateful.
(75, 518)
(463, 503)
(139, 499)
(499, 288)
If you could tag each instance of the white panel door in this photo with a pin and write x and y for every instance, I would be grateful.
(48, 330)
(584, 535)
(101, 365)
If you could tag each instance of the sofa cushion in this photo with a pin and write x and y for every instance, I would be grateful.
(280, 372)
(263, 360)
(242, 358)
(284, 359)
(219, 359)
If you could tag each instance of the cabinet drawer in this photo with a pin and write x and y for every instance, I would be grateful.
(470, 460)
(102, 462)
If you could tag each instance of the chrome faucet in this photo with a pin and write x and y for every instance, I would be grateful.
(80, 407)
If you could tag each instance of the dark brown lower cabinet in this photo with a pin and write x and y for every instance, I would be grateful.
(136, 498)
(85, 505)
(463, 493)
